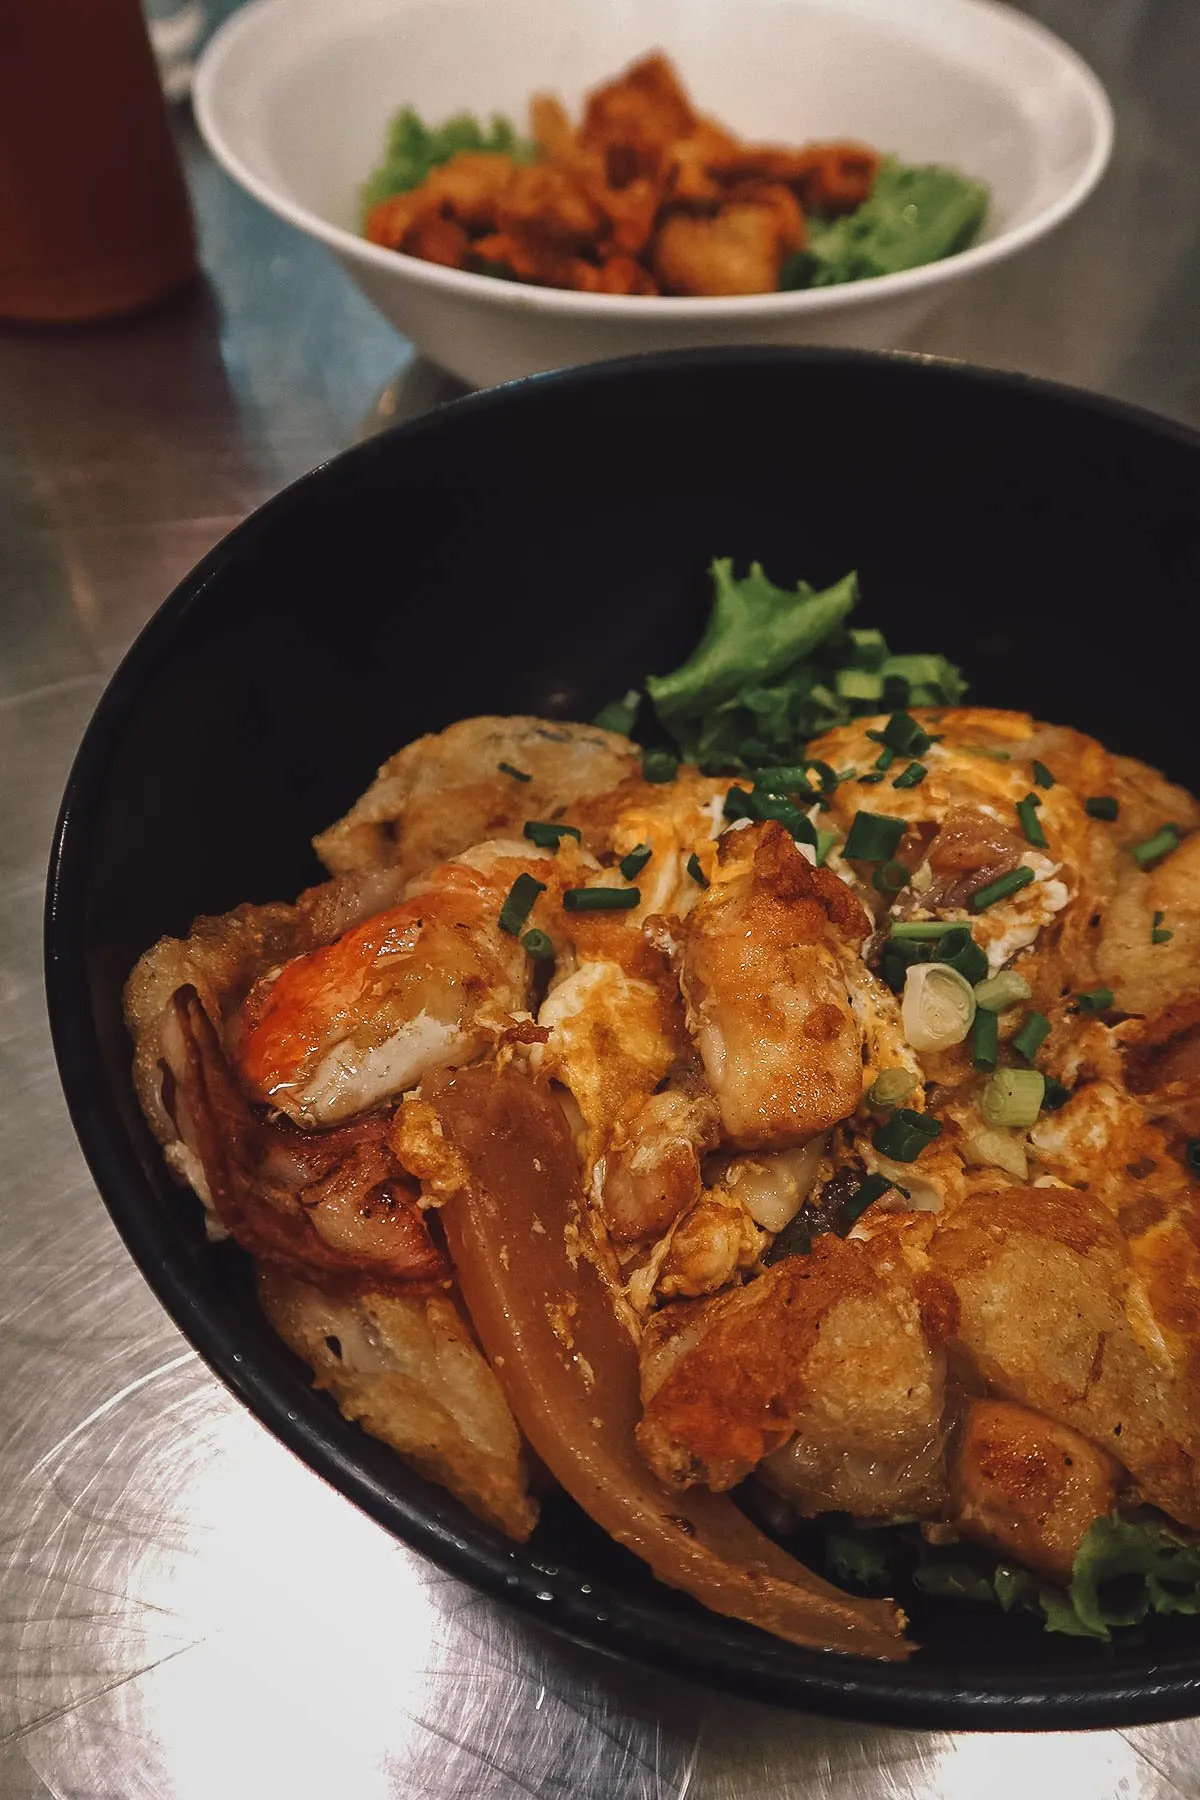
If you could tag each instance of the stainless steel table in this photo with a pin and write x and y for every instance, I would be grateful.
(187, 1613)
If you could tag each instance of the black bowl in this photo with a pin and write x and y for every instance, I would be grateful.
(537, 549)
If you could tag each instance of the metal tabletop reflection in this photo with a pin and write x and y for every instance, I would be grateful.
(185, 1611)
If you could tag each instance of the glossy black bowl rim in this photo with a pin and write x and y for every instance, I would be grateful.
(639, 1629)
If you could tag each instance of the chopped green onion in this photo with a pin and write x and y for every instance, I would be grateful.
(870, 780)
(1102, 806)
(1033, 1033)
(1056, 1095)
(825, 842)
(925, 928)
(873, 837)
(768, 806)
(885, 759)
(516, 909)
(1002, 991)
(827, 778)
(1031, 825)
(632, 865)
(855, 1205)
(783, 781)
(869, 648)
(1095, 1000)
(546, 836)
(695, 871)
(1157, 934)
(1153, 849)
(937, 1008)
(859, 684)
(958, 950)
(739, 804)
(890, 877)
(1042, 775)
(1192, 1155)
(891, 1088)
(985, 1040)
(1013, 1097)
(1001, 888)
(903, 734)
(600, 899)
(537, 944)
(659, 766)
(619, 715)
(1034, 799)
(912, 777)
(905, 1135)
(517, 774)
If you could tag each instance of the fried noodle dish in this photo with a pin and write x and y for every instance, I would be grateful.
(647, 196)
(781, 1127)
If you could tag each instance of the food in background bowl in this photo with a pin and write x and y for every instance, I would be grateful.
(811, 1114)
(647, 196)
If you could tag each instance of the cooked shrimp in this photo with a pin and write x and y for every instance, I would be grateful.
(767, 1002)
(428, 982)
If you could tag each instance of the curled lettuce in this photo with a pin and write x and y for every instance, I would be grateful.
(414, 148)
(1125, 1571)
(913, 216)
(775, 666)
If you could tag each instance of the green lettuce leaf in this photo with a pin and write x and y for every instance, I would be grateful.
(913, 216)
(776, 666)
(414, 148)
(1125, 1570)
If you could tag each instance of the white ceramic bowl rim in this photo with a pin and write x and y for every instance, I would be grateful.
(227, 43)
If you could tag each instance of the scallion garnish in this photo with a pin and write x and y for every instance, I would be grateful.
(873, 837)
(537, 944)
(885, 759)
(517, 774)
(600, 899)
(870, 780)
(985, 1040)
(1095, 1000)
(827, 778)
(516, 909)
(912, 777)
(785, 781)
(1153, 849)
(546, 836)
(1031, 825)
(891, 1088)
(619, 715)
(825, 842)
(903, 1137)
(1102, 806)
(855, 1205)
(1042, 775)
(903, 735)
(659, 766)
(739, 804)
(1055, 1096)
(1035, 1029)
(958, 950)
(1013, 1097)
(1002, 991)
(1001, 888)
(925, 928)
(695, 871)
(1157, 934)
(890, 877)
(632, 865)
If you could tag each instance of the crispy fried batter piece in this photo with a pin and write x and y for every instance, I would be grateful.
(1026, 1487)
(447, 791)
(738, 251)
(823, 1365)
(409, 1372)
(1047, 1315)
(766, 999)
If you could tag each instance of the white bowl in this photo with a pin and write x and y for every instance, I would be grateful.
(294, 97)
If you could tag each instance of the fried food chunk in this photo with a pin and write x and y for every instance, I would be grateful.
(823, 1365)
(1043, 1283)
(448, 790)
(1148, 977)
(1024, 1486)
(767, 1002)
(738, 251)
(409, 1372)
